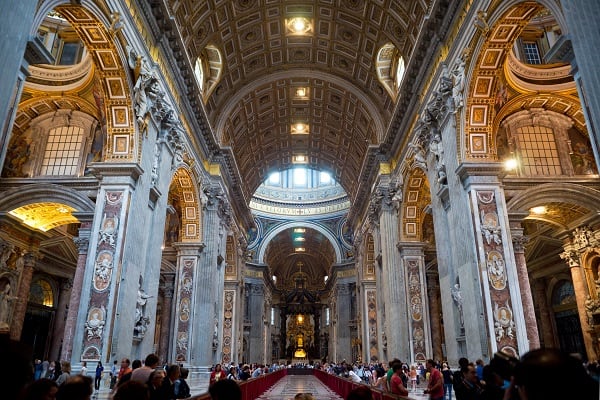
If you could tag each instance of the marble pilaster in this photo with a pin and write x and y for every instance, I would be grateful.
(82, 243)
(64, 296)
(546, 329)
(165, 327)
(22, 296)
(435, 314)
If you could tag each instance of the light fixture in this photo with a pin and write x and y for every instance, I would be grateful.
(299, 128)
(300, 93)
(300, 318)
(539, 210)
(511, 164)
(299, 230)
(298, 25)
(299, 249)
(299, 159)
(300, 239)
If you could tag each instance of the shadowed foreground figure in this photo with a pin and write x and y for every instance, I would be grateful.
(225, 389)
(546, 374)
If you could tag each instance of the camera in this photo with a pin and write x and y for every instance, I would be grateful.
(504, 365)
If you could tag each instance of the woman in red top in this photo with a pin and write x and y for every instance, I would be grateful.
(217, 374)
(435, 387)
(396, 382)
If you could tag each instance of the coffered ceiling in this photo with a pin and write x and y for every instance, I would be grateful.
(262, 63)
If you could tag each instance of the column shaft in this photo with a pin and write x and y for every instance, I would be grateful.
(22, 297)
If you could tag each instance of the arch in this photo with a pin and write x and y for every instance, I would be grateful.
(43, 193)
(487, 72)
(550, 192)
(114, 101)
(234, 100)
(185, 186)
(303, 224)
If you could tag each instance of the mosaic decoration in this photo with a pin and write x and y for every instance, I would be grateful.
(186, 281)
(494, 266)
(415, 296)
(102, 281)
(372, 323)
(227, 325)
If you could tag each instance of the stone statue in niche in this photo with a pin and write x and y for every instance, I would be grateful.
(6, 300)
(458, 301)
(6, 250)
(141, 320)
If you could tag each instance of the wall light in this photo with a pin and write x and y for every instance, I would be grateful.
(539, 210)
(511, 164)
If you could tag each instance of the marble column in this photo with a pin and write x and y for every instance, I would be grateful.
(546, 328)
(165, 327)
(82, 243)
(396, 311)
(22, 296)
(579, 286)
(66, 285)
(435, 313)
(519, 241)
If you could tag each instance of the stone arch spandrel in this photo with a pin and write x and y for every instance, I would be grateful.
(116, 99)
(487, 70)
(186, 189)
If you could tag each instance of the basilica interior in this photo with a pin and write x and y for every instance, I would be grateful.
(299, 181)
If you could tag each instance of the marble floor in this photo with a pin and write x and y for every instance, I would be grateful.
(286, 389)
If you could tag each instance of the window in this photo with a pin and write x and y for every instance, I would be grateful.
(538, 152)
(199, 73)
(41, 293)
(272, 316)
(63, 151)
(274, 178)
(299, 177)
(532, 53)
(399, 71)
(327, 316)
(324, 178)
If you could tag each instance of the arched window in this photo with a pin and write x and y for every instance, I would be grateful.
(199, 73)
(41, 293)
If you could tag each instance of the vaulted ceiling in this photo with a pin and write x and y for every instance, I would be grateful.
(252, 107)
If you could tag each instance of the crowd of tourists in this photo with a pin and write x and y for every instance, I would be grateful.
(534, 376)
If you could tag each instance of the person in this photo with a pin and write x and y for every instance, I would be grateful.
(42, 389)
(471, 387)
(232, 373)
(142, 374)
(379, 379)
(413, 378)
(360, 393)
(182, 389)
(550, 373)
(457, 377)
(167, 387)
(83, 368)
(155, 380)
(217, 374)
(98, 376)
(37, 368)
(245, 373)
(304, 396)
(447, 374)
(113, 375)
(132, 390)
(78, 387)
(125, 372)
(65, 367)
(354, 376)
(45, 366)
(225, 389)
(435, 383)
(493, 388)
(51, 374)
(479, 366)
(396, 385)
